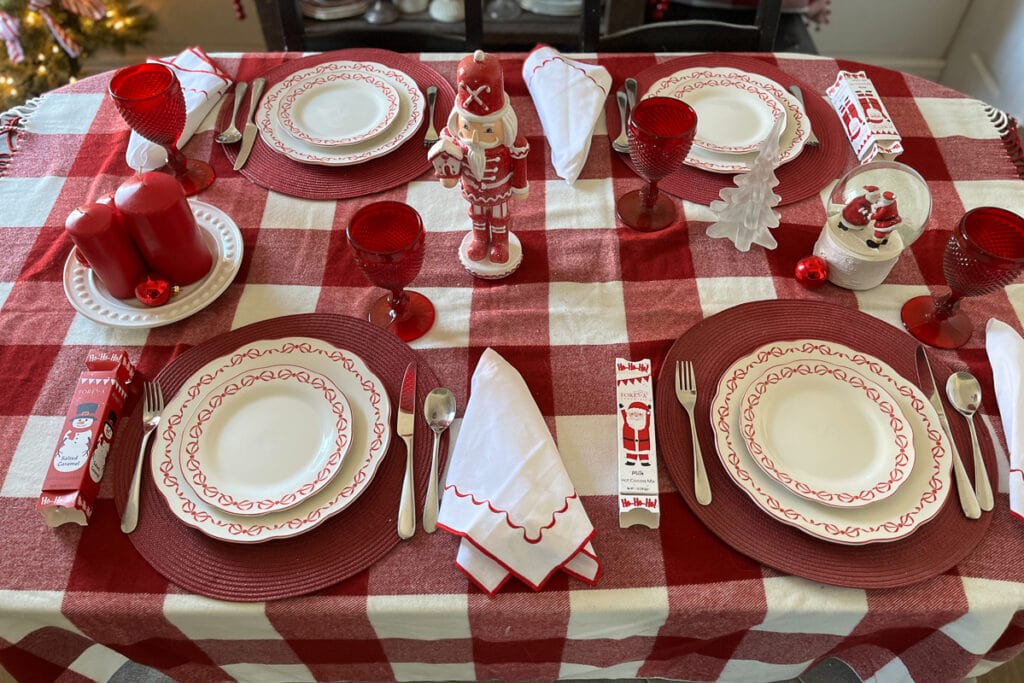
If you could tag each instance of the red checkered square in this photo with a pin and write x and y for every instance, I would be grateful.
(887, 82)
(175, 656)
(399, 573)
(923, 155)
(333, 652)
(654, 307)
(693, 555)
(784, 648)
(88, 611)
(50, 555)
(600, 160)
(626, 557)
(25, 367)
(491, 306)
(975, 159)
(225, 652)
(584, 366)
(99, 154)
(42, 655)
(906, 114)
(689, 658)
(288, 257)
(658, 255)
(437, 651)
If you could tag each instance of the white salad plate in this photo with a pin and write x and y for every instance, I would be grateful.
(733, 116)
(265, 439)
(914, 503)
(827, 433)
(791, 140)
(90, 297)
(339, 108)
(406, 122)
(371, 434)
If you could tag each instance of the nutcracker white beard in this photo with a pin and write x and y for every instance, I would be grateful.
(476, 157)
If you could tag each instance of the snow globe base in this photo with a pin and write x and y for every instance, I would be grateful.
(631, 210)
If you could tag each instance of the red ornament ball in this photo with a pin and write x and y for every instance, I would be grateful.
(154, 290)
(812, 271)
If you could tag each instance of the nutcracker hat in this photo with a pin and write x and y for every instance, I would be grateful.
(481, 87)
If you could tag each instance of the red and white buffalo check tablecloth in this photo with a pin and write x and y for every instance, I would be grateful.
(76, 603)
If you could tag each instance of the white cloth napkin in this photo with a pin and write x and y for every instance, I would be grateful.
(569, 97)
(1005, 350)
(507, 493)
(203, 83)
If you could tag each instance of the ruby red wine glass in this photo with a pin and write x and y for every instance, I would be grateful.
(387, 240)
(984, 254)
(660, 131)
(151, 101)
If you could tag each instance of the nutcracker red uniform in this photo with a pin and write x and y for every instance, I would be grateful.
(857, 212)
(636, 433)
(481, 147)
(886, 217)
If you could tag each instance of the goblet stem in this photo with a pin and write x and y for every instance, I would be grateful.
(947, 305)
(177, 161)
(398, 299)
(649, 194)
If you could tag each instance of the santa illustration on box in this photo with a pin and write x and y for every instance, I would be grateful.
(481, 148)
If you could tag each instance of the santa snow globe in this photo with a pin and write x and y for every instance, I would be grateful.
(875, 212)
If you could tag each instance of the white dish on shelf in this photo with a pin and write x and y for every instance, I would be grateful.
(339, 108)
(827, 433)
(371, 434)
(266, 438)
(916, 502)
(90, 297)
(406, 123)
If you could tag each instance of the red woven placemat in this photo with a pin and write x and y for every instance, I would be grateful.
(343, 545)
(277, 172)
(814, 167)
(713, 345)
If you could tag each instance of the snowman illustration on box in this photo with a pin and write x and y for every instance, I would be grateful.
(481, 148)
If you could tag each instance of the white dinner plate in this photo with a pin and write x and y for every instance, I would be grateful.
(827, 433)
(339, 108)
(791, 141)
(406, 122)
(371, 434)
(916, 502)
(733, 116)
(266, 438)
(91, 298)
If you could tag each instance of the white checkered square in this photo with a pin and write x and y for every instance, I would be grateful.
(570, 671)
(442, 210)
(269, 673)
(85, 332)
(202, 618)
(428, 617)
(451, 326)
(583, 205)
(719, 293)
(617, 613)
(833, 610)
(32, 457)
(1004, 193)
(422, 671)
(746, 670)
(282, 211)
(261, 302)
(893, 672)
(587, 313)
(956, 117)
(22, 612)
(885, 301)
(18, 211)
(69, 113)
(98, 663)
(699, 212)
(1016, 294)
(579, 438)
(5, 291)
(992, 606)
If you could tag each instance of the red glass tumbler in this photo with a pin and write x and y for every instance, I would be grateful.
(152, 103)
(660, 131)
(387, 240)
(984, 254)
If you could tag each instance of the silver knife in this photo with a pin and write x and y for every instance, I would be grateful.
(812, 139)
(406, 426)
(926, 379)
(250, 132)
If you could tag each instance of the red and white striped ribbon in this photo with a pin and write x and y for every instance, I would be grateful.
(9, 30)
(62, 37)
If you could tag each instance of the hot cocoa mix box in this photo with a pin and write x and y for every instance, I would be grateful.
(73, 480)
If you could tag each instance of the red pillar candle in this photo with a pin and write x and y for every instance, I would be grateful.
(160, 221)
(105, 244)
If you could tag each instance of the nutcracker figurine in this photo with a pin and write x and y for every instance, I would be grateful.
(481, 148)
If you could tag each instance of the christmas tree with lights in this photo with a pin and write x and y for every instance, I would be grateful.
(43, 42)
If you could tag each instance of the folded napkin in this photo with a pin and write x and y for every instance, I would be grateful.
(569, 97)
(507, 493)
(203, 83)
(1005, 350)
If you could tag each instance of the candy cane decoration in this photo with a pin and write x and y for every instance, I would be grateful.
(91, 9)
(9, 31)
(62, 37)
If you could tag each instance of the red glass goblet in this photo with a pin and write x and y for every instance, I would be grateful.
(660, 131)
(387, 241)
(984, 254)
(150, 100)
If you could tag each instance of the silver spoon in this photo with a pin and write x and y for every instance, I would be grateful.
(439, 411)
(964, 394)
(232, 134)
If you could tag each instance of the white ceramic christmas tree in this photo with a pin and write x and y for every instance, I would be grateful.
(745, 212)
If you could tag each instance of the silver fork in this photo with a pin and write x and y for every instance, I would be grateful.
(686, 394)
(431, 136)
(153, 405)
